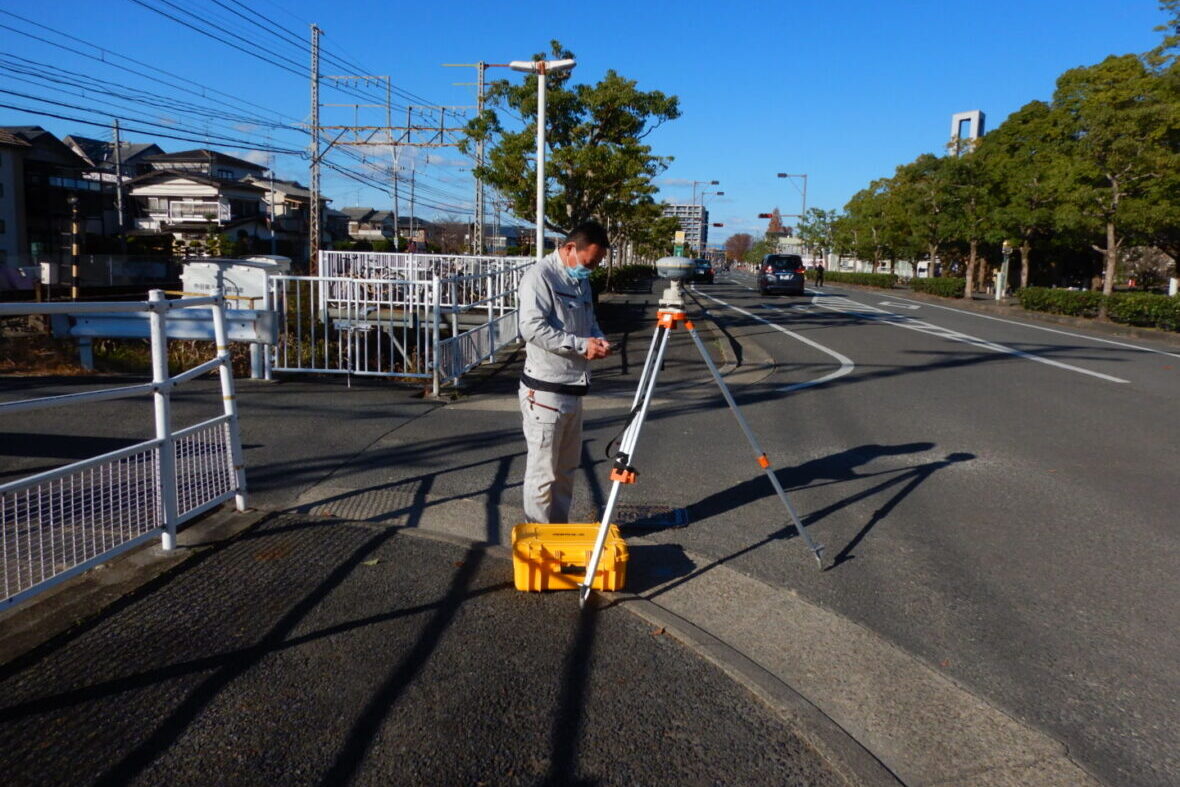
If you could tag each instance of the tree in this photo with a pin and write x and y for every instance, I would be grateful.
(775, 226)
(817, 229)
(1019, 158)
(1121, 124)
(597, 166)
(736, 246)
(924, 204)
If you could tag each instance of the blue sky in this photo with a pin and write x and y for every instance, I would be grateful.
(843, 91)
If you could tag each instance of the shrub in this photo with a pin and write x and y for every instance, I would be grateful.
(1076, 303)
(622, 277)
(946, 286)
(1141, 308)
(882, 280)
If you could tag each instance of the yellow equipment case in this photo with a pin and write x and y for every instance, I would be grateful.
(554, 557)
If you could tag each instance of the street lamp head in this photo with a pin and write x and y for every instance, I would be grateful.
(542, 66)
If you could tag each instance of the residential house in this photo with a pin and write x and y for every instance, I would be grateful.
(209, 163)
(105, 164)
(13, 246)
(288, 204)
(55, 191)
(369, 224)
(420, 234)
(191, 206)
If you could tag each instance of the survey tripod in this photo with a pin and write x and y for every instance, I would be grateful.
(670, 316)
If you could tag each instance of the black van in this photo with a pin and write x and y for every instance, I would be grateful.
(781, 273)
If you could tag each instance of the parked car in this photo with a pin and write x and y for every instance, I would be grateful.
(703, 272)
(781, 273)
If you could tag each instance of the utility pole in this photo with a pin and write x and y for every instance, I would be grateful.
(477, 236)
(119, 188)
(314, 240)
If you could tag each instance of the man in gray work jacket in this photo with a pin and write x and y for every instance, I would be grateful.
(557, 322)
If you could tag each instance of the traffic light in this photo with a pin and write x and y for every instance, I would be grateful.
(718, 224)
(764, 216)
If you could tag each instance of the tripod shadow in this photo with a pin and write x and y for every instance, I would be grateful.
(835, 468)
(908, 479)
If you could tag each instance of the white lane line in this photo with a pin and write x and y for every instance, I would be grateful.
(846, 364)
(904, 321)
(1043, 328)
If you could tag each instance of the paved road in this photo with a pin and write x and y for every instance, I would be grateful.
(996, 498)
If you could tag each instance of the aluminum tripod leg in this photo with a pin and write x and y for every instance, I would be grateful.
(763, 462)
(642, 400)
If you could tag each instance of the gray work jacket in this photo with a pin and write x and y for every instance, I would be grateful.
(556, 317)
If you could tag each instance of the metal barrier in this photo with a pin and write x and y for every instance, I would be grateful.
(414, 316)
(61, 522)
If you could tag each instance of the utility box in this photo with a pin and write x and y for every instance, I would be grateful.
(247, 281)
(554, 557)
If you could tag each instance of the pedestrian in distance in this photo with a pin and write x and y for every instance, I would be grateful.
(819, 274)
(557, 322)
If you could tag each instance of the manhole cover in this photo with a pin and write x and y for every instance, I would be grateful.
(649, 516)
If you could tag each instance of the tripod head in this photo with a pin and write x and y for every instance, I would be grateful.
(676, 270)
(673, 297)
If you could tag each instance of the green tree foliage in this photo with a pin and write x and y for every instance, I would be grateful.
(597, 164)
(1097, 169)
(817, 229)
(1120, 122)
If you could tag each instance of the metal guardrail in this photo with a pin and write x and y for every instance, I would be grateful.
(58, 523)
(414, 316)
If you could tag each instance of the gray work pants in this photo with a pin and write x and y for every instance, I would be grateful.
(553, 431)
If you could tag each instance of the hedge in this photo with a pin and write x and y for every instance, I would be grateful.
(1076, 303)
(946, 286)
(882, 280)
(1130, 308)
(1141, 308)
(622, 277)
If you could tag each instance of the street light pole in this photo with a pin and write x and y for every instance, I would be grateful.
(541, 68)
(696, 183)
(803, 210)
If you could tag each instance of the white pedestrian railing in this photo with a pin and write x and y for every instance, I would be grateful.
(58, 523)
(414, 316)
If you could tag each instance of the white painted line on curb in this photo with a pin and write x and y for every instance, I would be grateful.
(847, 306)
(846, 364)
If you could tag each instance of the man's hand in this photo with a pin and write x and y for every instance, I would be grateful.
(596, 348)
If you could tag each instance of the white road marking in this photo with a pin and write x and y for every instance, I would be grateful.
(894, 304)
(1050, 330)
(846, 364)
(847, 306)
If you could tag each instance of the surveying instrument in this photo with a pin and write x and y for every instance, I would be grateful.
(670, 316)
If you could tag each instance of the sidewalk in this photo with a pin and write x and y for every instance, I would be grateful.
(313, 651)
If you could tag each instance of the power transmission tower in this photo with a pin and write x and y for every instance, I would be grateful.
(387, 135)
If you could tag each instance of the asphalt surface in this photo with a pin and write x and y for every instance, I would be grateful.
(978, 620)
(310, 651)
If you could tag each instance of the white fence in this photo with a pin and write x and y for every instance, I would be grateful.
(58, 523)
(414, 316)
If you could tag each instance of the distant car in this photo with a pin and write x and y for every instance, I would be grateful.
(704, 271)
(781, 273)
